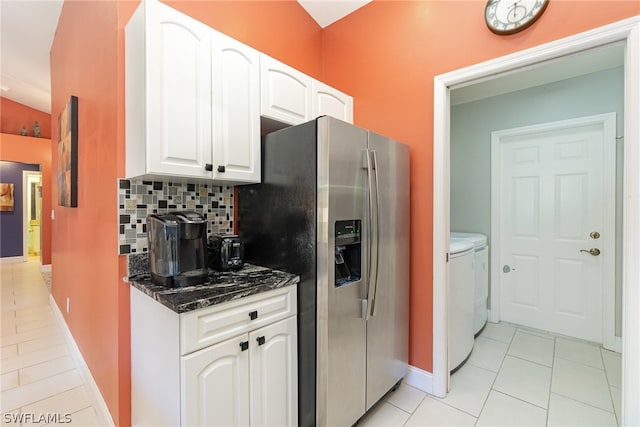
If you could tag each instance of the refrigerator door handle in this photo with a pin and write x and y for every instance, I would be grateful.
(370, 206)
(376, 233)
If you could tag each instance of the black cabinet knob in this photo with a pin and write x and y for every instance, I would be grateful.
(244, 345)
(221, 169)
(208, 167)
(253, 315)
(260, 340)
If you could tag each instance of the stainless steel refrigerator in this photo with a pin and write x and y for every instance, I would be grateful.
(333, 207)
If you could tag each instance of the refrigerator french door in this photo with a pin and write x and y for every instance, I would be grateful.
(333, 207)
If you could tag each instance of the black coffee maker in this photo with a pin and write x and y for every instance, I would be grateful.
(177, 248)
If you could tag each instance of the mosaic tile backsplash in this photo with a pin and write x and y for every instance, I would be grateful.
(138, 198)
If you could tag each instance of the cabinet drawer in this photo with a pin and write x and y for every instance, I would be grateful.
(211, 325)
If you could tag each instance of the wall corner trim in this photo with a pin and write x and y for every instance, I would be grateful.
(102, 411)
(422, 380)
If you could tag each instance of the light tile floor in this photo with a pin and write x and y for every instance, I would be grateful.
(40, 380)
(516, 376)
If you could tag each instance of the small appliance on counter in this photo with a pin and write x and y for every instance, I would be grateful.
(177, 248)
(226, 252)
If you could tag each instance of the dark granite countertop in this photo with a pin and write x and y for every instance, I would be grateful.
(221, 286)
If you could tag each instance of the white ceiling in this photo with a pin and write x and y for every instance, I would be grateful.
(326, 12)
(27, 28)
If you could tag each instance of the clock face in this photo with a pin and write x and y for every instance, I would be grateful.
(511, 16)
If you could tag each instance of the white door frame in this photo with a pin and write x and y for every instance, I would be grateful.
(607, 243)
(627, 31)
(25, 219)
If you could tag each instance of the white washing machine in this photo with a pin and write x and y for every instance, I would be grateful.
(481, 280)
(460, 301)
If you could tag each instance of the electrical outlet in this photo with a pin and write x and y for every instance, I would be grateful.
(68, 304)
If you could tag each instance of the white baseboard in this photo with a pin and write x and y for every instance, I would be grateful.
(12, 259)
(422, 380)
(104, 416)
(45, 268)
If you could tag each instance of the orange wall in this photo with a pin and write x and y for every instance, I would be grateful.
(386, 55)
(27, 149)
(13, 116)
(85, 265)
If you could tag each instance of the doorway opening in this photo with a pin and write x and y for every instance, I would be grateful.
(626, 32)
(32, 221)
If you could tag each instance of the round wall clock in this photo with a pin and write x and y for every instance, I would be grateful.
(511, 16)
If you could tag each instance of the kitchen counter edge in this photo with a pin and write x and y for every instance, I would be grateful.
(220, 287)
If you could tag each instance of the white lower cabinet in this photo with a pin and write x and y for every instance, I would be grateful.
(247, 380)
(216, 385)
(248, 376)
(273, 374)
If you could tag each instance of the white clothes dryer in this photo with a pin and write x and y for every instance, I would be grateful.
(481, 277)
(460, 301)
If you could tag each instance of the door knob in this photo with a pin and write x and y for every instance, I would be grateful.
(594, 235)
(506, 268)
(592, 251)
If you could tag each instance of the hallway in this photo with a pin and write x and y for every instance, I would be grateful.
(41, 384)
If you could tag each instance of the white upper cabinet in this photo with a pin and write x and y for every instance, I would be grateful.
(195, 98)
(286, 94)
(181, 117)
(328, 101)
(291, 97)
(236, 111)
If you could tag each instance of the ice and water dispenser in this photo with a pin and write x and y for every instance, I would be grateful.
(348, 252)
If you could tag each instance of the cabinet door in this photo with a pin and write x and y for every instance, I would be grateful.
(236, 115)
(328, 101)
(215, 384)
(274, 374)
(178, 74)
(285, 92)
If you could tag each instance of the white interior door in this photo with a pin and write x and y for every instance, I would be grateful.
(556, 210)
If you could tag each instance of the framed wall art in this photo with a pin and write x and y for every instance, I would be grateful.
(68, 154)
(6, 197)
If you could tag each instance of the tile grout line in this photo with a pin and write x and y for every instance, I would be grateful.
(54, 395)
(553, 367)
(493, 383)
(606, 375)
